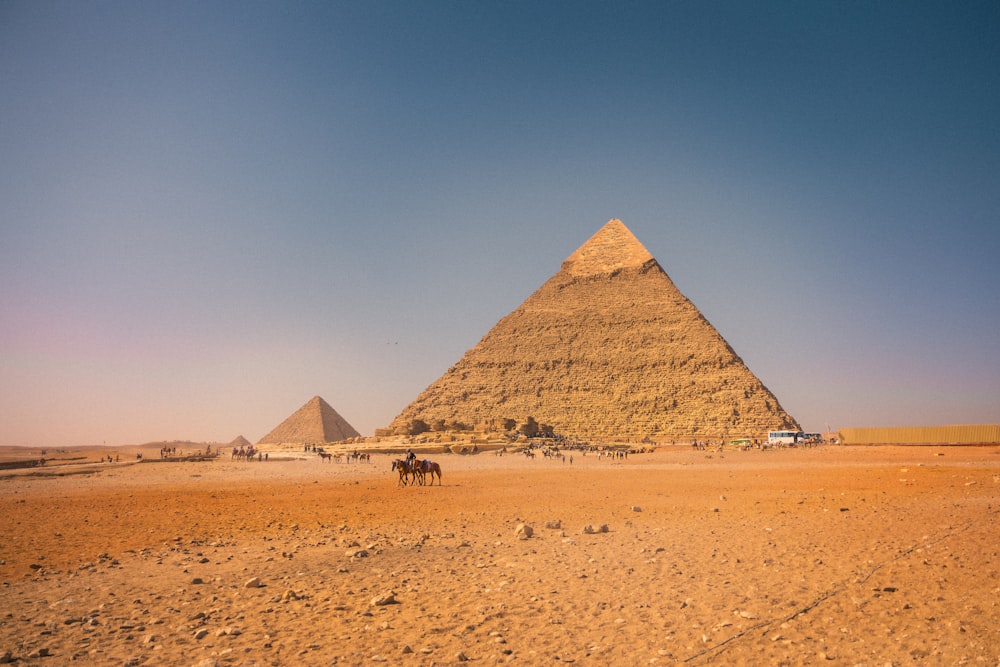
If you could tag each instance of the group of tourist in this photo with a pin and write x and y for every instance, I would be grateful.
(248, 454)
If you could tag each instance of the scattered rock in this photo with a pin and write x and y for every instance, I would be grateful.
(523, 531)
(201, 633)
(553, 525)
(461, 657)
(635, 508)
(590, 530)
(254, 582)
(383, 599)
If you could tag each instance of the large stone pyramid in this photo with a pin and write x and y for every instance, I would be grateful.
(315, 422)
(606, 347)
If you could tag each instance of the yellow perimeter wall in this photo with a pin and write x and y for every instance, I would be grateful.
(967, 434)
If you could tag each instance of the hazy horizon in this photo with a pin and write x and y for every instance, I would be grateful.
(211, 212)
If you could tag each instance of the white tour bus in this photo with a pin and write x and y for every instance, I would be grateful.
(784, 437)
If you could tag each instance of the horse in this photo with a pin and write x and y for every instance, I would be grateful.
(324, 456)
(429, 468)
(406, 470)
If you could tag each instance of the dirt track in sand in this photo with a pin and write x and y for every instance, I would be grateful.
(836, 555)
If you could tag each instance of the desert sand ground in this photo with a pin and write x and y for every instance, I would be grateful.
(834, 555)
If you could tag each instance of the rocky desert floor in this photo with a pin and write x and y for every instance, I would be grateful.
(833, 555)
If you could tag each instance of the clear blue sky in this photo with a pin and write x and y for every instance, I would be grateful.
(212, 211)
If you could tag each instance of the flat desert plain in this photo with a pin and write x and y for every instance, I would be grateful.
(834, 555)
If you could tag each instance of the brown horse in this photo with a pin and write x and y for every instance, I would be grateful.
(406, 471)
(326, 456)
(429, 468)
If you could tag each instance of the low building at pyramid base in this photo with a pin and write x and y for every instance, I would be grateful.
(961, 434)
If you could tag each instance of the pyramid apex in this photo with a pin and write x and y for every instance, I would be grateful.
(612, 247)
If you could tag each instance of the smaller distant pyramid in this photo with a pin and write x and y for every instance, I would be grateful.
(239, 442)
(314, 422)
